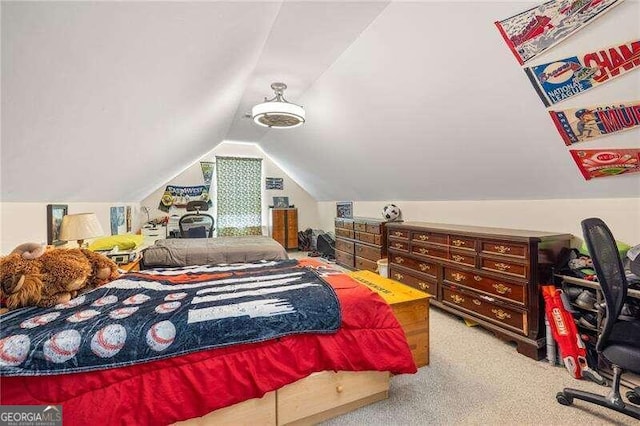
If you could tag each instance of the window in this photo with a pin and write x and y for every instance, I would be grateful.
(239, 201)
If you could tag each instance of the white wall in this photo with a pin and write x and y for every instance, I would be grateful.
(307, 206)
(622, 215)
(27, 222)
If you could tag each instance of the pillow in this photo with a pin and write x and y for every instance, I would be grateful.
(123, 242)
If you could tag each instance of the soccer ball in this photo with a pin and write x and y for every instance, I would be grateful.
(391, 212)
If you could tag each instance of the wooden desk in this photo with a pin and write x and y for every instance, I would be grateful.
(410, 306)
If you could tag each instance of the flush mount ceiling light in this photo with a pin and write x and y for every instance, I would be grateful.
(277, 113)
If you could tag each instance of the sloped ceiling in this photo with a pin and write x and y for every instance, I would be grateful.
(404, 100)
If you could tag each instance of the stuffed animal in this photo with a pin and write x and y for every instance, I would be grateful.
(34, 276)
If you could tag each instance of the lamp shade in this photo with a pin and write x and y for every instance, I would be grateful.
(80, 227)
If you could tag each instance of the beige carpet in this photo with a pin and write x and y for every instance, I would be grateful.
(476, 379)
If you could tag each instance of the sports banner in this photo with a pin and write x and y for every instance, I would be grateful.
(582, 124)
(179, 196)
(535, 30)
(595, 163)
(207, 171)
(564, 78)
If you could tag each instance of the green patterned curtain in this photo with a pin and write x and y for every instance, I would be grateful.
(239, 183)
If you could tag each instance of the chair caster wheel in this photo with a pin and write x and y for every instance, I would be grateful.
(564, 399)
(633, 397)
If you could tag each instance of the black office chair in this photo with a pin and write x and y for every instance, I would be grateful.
(619, 340)
(196, 225)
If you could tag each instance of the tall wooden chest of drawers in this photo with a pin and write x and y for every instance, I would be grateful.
(284, 227)
(360, 242)
(488, 275)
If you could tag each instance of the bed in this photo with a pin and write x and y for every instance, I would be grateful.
(176, 252)
(195, 381)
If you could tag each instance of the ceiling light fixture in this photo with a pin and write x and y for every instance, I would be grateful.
(278, 113)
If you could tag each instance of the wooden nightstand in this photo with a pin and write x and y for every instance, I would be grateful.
(131, 266)
(410, 306)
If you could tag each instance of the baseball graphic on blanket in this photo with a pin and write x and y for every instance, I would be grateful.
(165, 308)
(175, 296)
(83, 315)
(62, 346)
(108, 340)
(71, 303)
(39, 320)
(123, 312)
(14, 349)
(106, 300)
(161, 335)
(136, 299)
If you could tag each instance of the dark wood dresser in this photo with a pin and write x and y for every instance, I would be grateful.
(490, 276)
(360, 242)
(284, 227)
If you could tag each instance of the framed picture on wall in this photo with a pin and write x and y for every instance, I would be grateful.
(280, 202)
(55, 213)
(344, 209)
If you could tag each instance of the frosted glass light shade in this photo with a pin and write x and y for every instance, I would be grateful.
(79, 227)
(278, 115)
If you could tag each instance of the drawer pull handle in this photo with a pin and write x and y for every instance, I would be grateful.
(399, 259)
(424, 267)
(457, 299)
(398, 245)
(399, 276)
(339, 388)
(398, 234)
(502, 266)
(423, 237)
(457, 257)
(458, 243)
(477, 302)
(423, 286)
(500, 314)
(423, 250)
(502, 249)
(458, 277)
(502, 289)
(477, 277)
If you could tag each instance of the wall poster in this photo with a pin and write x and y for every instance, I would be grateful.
(595, 163)
(274, 183)
(564, 78)
(179, 196)
(587, 123)
(117, 220)
(535, 30)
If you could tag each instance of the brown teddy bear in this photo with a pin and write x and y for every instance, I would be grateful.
(34, 276)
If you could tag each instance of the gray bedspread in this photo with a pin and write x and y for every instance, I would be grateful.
(204, 251)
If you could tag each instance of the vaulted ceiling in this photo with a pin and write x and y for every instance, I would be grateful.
(107, 101)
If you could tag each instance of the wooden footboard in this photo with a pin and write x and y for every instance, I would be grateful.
(313, 399)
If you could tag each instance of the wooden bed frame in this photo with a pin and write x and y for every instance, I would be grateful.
(313, 399)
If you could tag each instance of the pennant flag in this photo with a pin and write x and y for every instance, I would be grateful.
(587, 123)
(595, 163)
(564, 78)
(207, 171)
(535, 30)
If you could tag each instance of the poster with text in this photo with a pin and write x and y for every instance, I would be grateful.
(179, 196)
(587, 123)
(595, 163)
(535, 30)
(564, 78)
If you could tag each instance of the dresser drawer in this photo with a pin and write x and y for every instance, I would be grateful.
(360, 226)
(368, 238)
(504, 267)
(345, 259)
(461, 242)
(463, 257)
(399, 245)
(430, 237)
(365, 264)
(346, 233)
(344, 223)
(430, 251)
(481, 306)
(374, 228)
(399, 233)
(505, 248)
(505, 289)
(344, 245)
(423, 266)
(428, 285)
(368, 252)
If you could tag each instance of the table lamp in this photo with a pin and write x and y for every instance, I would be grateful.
(79, 227)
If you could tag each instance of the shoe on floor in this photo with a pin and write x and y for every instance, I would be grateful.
(586, 300)
(573, 292)
(588, 320)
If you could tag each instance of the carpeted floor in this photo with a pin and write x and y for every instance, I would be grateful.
(476, 379)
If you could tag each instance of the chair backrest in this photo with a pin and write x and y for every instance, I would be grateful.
(199, 225)
(609, 270)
